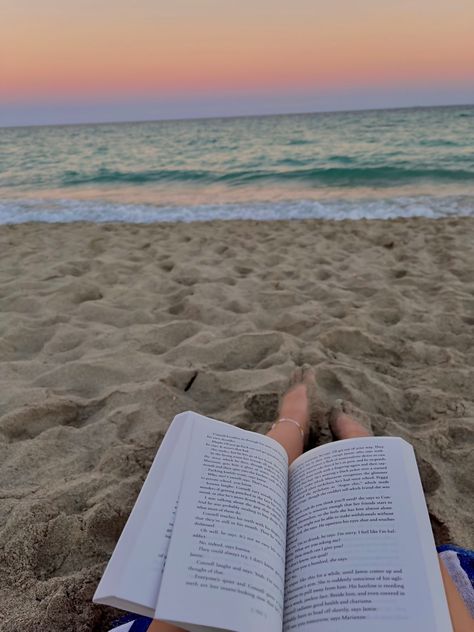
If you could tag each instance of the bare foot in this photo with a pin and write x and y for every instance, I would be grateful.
(298, 401)
(343, 425)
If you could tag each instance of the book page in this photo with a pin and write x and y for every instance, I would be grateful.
(225, 565)
(132, 578)
(360, 552)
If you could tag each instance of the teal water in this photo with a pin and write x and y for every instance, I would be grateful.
(375, 164)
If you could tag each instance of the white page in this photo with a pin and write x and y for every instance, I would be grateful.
(225, 565)
(360, 551)
(132, 578)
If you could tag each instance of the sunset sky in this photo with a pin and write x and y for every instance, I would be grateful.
(101, 60)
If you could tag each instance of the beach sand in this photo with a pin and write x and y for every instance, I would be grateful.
(108, 331)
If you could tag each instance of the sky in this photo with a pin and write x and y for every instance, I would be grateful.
(109, 60)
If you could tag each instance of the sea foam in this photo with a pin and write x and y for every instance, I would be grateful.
(72, 210)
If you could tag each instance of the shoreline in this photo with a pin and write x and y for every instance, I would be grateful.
(109, 330)
(137, 207)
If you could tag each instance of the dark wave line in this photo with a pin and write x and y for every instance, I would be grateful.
(71, 178)
(335, 176)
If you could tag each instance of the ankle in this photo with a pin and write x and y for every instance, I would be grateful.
(295, 404)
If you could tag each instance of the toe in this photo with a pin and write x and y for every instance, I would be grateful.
(309, 376)
(296, 377)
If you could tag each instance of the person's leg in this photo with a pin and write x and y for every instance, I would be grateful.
(295, 405)
(344, 426)
(160, 626)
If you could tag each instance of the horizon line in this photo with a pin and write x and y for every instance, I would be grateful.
(239, 116)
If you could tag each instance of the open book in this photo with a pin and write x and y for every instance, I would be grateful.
(224, 536)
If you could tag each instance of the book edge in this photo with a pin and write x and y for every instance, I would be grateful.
(111, 577)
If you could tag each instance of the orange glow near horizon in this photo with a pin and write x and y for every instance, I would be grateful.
(126, 48)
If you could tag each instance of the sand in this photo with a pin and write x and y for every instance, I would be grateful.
(108, 331)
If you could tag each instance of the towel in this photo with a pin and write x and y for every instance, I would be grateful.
(460, 566)
(131, 623)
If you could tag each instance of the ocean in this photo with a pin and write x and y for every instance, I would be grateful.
(346, 165)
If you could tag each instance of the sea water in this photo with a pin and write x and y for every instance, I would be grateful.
(372, 164)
